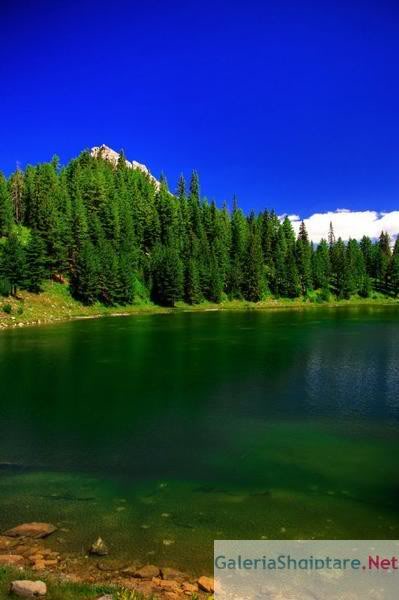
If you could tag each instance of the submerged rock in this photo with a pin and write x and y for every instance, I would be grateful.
(112, 565)
(28, 589)
(99, 548)
(32, 530)
(168, 542)
(69, 498)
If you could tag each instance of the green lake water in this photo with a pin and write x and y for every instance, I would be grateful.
(162, 433)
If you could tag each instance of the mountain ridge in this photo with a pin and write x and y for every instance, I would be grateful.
(112, 156)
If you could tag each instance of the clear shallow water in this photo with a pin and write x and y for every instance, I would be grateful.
(161, 433)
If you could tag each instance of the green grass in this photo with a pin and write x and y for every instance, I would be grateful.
(56, 590)
(56, 304)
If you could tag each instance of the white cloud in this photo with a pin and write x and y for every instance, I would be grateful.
(294, 217)
(349, 224)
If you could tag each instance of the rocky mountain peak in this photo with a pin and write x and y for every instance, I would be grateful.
(112, 156)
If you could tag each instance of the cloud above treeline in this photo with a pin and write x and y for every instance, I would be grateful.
(349, 224)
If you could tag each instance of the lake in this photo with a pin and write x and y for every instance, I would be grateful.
(161, 433)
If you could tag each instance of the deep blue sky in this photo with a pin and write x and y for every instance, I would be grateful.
(290, 104)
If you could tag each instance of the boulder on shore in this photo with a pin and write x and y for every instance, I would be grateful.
(32, 530)
(11, 560)
(28, 589)
(147, 572)
(6, 543)
(170, 573)
(206, 584)
(191, 588)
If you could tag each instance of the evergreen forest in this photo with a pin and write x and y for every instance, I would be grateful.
(113, 236)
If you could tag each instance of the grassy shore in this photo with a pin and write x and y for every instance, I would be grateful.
(56, 590)
(56, 304)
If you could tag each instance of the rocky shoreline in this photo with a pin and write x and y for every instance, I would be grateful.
(24, 548)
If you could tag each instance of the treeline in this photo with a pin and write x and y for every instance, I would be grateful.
(115, 238)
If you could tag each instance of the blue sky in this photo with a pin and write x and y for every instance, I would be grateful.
(288, 104)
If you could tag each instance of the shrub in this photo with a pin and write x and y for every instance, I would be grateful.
(324, 295)
(140, 292)
(311, 296)
(7, 308)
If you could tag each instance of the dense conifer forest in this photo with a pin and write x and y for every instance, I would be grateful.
(112, 236)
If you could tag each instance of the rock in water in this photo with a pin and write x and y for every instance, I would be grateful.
(28, 589)
(99, 548)
(108, 565)
(32, 530)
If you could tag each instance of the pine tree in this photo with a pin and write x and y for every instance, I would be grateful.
(12, 263)
(6, 216)
(394, 270)
(289, 234)
(215, 281)
(322, 267)
(167, 209)
(167, 274)
(339, 269)
(269, 226)
(35, 263)
(80, 228)
(383, 258)
(16, 186)
(292, 284)
(279, 287)
(253, 284)
(181, 187)
(108, 283)
(303, 259)
(84, 277)
(124, 292)
(366, 246)
(195, 187)
(239, 234)
(331, 236)
(192, 288)
(358, 281)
